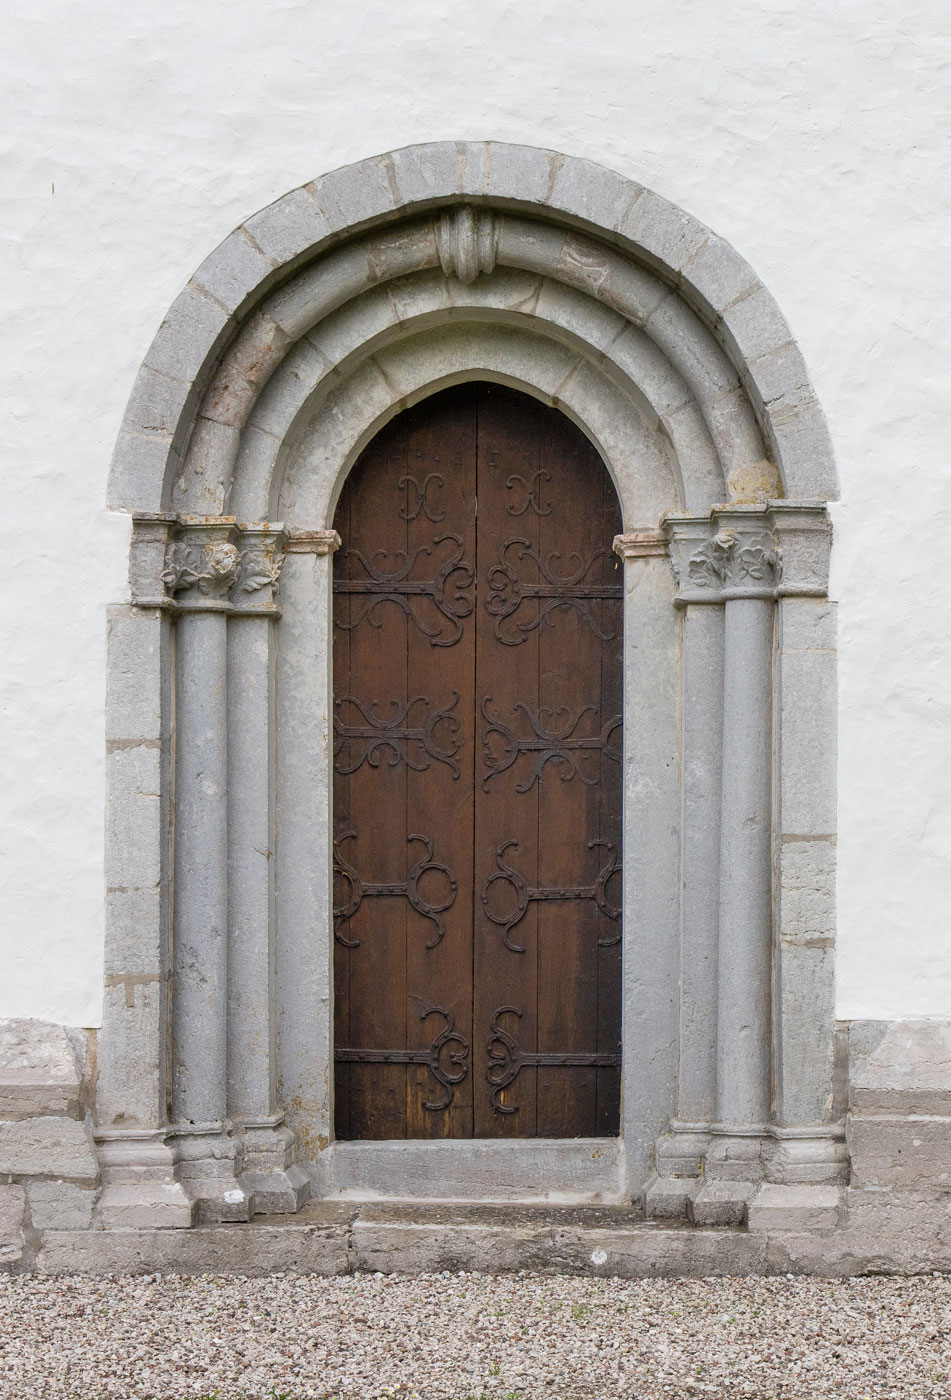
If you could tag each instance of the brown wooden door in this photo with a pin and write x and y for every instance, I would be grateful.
(477, 777)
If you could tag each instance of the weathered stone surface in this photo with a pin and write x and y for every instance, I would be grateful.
(666, 1197)
(900, 1066)
(40, 1069)
(58, 1147)
(60, 1205)
(782, 1207)
(12, 1206)
(721, 1203)
(146, 1206)
(911, 1152)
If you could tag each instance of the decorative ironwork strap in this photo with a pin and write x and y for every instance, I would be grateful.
(524, 895)
(448, 1069)
(507, 1059)
(356, 744)
(447, 591)
(407, 889)
(507, 591)
(557, 746)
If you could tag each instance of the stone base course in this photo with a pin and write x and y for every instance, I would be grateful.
(339, 1238)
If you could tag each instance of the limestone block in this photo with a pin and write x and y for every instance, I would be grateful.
(12, 1206)
(133, 691)
(59, 1147)
(187, 336)
(356, 193)
(522, 173)
(133, 820)
(130, 1090)
(718, 274)
(785, 1207)
(910, 1152)
(588, 191)
(667, 1197)
(137, 475)
(146, 1205)
(421, 171)
(802, 439)
(807, 891)
(40, 1070)
(721, 1203)
(234, 270)
(900, 1067)
(290, 226)
(157, 403)
(60, 1205)
(808, 752)
(662, 230)
(757, 325)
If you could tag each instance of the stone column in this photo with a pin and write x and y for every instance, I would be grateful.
(270, 1177)
(201, 569)
(651, 855)
(741, 561)
(305, 849)
(805, 1163)
(139, 1183)
(679, 1153)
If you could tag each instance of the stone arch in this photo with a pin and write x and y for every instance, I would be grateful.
(319, 318)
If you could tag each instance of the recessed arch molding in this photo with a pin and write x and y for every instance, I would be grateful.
(313, 324)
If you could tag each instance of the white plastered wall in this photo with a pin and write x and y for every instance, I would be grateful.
(813, 139)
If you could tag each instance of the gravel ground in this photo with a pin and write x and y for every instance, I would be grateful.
(449, 1337)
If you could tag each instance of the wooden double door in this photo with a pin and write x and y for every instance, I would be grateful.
(477, 777)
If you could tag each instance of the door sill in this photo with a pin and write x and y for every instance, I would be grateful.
(553, 1171)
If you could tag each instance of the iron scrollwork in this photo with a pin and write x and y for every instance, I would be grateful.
(507, 591)
(417, 500)
(531, 489)
(549, 745)
(447, 591)
(356, 744)
(507, 1059)
(408, 889)
(525, 895)
(447, 1069)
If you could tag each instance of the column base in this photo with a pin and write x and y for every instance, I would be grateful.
(275, 1183)
(209, 1163)
(800, 1158)
(678, 1158)
(140, 1186)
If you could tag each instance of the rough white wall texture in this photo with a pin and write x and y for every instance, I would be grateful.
(813, 137)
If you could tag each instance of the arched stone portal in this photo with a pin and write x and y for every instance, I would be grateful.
(307, 330)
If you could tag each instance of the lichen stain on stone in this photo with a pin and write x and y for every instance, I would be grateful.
(755, 483)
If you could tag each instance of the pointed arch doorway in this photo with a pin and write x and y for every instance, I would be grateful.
(477, 777)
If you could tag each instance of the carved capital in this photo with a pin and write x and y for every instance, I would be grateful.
(261, 558)
(312, 542)
(201, 564)
(466, 241)
(730, 554)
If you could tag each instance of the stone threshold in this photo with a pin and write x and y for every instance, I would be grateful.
(408, 1238)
